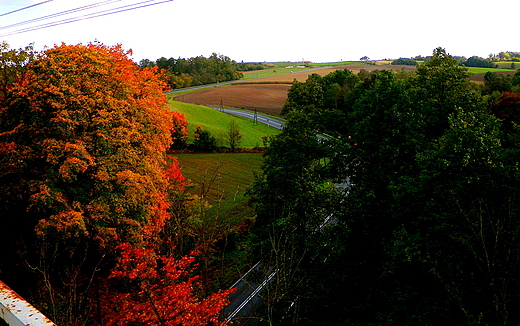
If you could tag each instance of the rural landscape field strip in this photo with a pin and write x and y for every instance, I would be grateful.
(234, 174)
(218, 124)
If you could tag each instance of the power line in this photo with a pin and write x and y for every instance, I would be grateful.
(66, 12)
(17, 10)
(85, 17)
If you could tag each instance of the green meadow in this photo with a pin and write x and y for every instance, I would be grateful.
(507, 65)
(217, 123)
(274, 71)
(223, 179)
(476, 70)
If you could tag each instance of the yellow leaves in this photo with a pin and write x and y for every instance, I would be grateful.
(69, 223)
(44, 198)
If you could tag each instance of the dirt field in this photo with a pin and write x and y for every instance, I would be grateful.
(267, 98)
(302, 75)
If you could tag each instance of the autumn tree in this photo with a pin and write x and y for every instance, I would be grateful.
(84, 133)
(158, 290)
(179, 131)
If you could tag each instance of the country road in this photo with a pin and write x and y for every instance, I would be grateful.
(270, 121)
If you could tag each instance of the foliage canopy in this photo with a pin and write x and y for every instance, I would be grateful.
(83, 168)
(421, 225)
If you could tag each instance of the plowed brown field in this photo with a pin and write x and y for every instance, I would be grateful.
(265, 97)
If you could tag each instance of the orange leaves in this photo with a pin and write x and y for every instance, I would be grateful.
(85, 155)
(77, 161)
(100, 124)
(179, 131)
(69, 223)
(174, 175)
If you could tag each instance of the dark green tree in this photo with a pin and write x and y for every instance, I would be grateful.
(405, 61)
(478, 62)
(494, 82)
(439, 87)
(234, 136)
(204, 141)
(424, 231)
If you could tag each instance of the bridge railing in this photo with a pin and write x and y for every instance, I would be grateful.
(15, 311)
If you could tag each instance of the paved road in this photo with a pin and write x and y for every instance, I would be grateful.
(270, 121)
(246, 299)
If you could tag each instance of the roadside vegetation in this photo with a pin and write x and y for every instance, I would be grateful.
(217, 123)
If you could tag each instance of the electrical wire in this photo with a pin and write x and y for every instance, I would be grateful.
(17, 10)
(87, 16)
(66, 12)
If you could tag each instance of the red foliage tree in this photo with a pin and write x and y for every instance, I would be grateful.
(179, 131)
(507, 107)
(158, 291)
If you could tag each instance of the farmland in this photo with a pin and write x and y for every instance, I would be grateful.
(225, 177)
(267, 98)
(268, 94)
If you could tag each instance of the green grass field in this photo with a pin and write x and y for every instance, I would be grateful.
(280, 70)
(507, 65)
(338, 63)
(222, 180)
(476, 70)
(225, 177)
(217, 123)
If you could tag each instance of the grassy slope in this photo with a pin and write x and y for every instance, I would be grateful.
(232, 174)
(476, 70)
(218, 124)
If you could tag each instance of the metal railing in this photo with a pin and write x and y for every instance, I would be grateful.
(15, 311)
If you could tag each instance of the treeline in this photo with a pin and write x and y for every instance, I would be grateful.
(473, 61)
(509, 56)
(407, 213)
(200, 70)
(405, 61)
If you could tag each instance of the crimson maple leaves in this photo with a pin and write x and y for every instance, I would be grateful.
(160, 291)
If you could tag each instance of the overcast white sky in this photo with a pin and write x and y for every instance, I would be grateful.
(279, 30)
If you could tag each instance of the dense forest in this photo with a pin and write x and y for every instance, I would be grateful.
(405, 213)
(199, 70)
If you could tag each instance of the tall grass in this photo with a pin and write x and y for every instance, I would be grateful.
(226, 178)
